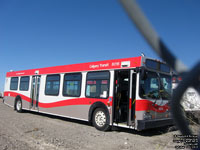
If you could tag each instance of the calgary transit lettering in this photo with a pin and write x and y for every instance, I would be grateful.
(20, 73)
(106, 65)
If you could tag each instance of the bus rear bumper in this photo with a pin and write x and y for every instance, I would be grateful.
(147, 124)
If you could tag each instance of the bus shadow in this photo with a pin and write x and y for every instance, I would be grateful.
(148, 132)
(58, 117)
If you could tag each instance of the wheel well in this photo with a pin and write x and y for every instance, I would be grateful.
(95, 106)
(17, 98)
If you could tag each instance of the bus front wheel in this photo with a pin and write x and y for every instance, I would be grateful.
(101, 119)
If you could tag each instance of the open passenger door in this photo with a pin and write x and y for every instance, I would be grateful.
(124, 97)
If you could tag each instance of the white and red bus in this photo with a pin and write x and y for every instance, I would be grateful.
(130, 92)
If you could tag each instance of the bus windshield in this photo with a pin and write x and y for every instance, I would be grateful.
(155, 86)
(166, 86)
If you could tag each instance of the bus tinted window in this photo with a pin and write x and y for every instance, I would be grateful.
(98, 75)
(152, 64)
(14, 83)
(72, 85)
(52, 85)
(164, 68)
(24, 84)
(97, 84)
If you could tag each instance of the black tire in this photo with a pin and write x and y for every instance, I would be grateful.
(18, 105)
(101, 119)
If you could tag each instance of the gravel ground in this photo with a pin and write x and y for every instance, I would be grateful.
(36, 131)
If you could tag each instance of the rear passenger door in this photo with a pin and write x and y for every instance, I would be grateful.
(35, 86)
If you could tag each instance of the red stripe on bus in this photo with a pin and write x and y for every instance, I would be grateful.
(130, 103)
(91, 66)
(74, 101)
(14, 94)
(143, 105)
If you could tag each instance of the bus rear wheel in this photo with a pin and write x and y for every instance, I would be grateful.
(18, 105)
(101, 119)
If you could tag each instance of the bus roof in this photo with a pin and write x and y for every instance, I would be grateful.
(90, 66)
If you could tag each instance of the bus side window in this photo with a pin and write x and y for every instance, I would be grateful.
(24, 84)
(72, 84)
(52, 85)
(97, 84)
(14, 83)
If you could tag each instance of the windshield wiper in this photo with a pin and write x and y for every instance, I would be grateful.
(166, 96)
(151, 94)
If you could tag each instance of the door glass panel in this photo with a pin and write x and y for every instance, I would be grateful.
(35, 91)
(38, 88)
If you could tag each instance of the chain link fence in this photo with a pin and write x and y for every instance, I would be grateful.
(190, 77)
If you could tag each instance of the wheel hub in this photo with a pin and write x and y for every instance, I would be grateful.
(19, 105)
(100, 118)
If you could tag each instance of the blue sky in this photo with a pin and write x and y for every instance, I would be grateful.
(42, 33)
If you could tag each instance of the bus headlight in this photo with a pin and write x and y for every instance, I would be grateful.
(147, 116)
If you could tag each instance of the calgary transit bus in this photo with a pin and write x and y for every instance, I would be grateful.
(130, 92)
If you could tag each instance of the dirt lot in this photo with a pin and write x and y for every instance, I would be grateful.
(33, 131)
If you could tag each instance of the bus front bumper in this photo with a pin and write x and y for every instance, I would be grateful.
(147, 124)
